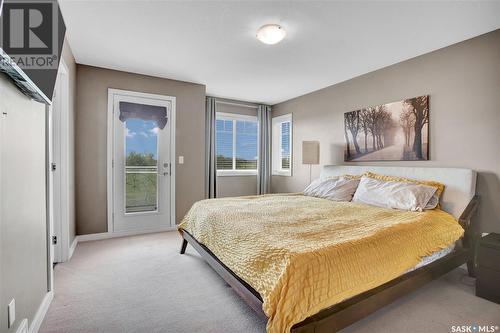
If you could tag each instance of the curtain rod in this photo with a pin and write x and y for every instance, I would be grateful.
(237, 104)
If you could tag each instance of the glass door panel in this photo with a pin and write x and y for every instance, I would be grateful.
(141, 166)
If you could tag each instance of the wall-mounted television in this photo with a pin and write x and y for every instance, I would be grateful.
(31, 42)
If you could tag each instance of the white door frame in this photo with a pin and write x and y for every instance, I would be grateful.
(110, 153)
(59, 194)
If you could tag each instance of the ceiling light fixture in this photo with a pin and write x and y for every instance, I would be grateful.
(271, 34)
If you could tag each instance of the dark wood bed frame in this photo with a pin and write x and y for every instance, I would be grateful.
(341, 315)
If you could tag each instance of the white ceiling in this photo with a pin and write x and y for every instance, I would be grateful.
(213, 42)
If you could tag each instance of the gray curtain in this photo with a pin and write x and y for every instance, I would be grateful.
(210, 155)
(264, 118)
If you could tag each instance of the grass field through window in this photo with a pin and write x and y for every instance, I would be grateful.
(141, 190)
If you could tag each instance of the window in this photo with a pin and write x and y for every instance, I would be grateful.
(236, 147)
(282, 145)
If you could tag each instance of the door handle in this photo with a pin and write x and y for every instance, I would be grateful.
(166, 166)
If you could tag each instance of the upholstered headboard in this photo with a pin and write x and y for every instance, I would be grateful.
(460, 184)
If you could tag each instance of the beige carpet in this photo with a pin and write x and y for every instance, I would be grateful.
(142, 284)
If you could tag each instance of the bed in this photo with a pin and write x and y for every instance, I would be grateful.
(277, 282)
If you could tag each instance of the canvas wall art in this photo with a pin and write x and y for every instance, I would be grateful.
(397, 131)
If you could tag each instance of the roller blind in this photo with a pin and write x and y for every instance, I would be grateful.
(285, 145)
(224, 148)
(236, 138)
(282, 145)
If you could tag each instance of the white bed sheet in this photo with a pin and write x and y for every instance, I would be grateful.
(433, 257)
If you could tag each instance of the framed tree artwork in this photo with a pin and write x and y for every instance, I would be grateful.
(397, 131)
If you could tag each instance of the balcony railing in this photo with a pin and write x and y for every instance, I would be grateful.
(141, 169)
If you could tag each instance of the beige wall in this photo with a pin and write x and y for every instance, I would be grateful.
(69, 60)
(463, 82)
(234, 186)
(23, 235)
(90, 142)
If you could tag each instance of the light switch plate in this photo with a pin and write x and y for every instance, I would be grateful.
(181, 159)
(12, 312)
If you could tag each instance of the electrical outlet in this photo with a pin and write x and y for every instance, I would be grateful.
(181, 159)
(12, 312)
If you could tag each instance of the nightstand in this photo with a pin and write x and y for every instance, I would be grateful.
(488, 268)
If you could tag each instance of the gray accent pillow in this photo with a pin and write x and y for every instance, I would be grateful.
(333, 188)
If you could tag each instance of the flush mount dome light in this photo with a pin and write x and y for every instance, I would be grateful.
(271, 34)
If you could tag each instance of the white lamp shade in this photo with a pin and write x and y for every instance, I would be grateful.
(310, 152)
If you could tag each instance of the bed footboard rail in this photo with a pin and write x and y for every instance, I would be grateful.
(244, 290)
(471, 235)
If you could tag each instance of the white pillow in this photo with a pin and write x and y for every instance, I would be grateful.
(334, 188)
(393, 194)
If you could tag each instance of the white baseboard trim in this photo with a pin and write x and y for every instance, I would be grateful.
(107, 235)
(40, 314)
(72, 247)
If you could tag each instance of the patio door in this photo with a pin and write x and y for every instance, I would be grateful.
(142, 169)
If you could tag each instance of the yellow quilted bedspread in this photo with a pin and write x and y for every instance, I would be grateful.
(303, 254)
